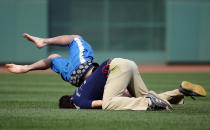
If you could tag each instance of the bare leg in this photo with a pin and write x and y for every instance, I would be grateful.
(39, 65)
(59, 40)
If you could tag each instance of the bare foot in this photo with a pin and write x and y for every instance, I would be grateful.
(38, 41)
(17, 69)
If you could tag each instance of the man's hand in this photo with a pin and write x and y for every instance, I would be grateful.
(97, 104)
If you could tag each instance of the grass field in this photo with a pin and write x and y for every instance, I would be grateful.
(30, 101)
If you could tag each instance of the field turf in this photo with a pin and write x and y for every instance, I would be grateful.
(30, 101)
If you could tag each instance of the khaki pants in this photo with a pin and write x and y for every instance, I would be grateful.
(124, 74)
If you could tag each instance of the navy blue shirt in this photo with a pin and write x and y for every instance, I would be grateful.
(92, 88)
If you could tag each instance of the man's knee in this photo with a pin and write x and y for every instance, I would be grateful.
(126, 65)
(54, 56)
(75, 36)
(131, 65)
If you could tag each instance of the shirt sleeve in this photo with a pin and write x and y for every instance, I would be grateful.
(83, 104)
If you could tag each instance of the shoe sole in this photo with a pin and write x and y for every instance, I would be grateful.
(192, 89)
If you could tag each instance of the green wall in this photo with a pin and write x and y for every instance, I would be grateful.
(133, 29)
(17, 17)
(147, 31)
(188, 31)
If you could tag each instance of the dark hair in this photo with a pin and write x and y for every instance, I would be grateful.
(66, 102)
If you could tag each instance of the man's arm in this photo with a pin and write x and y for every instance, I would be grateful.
(97, 104)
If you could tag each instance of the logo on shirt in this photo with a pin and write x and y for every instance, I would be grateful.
(77, 93)
(105, 69)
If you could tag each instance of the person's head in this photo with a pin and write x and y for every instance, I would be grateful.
(66, 102)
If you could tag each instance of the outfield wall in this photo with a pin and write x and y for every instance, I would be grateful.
(188, 31)
(17, 17)
(149, 32)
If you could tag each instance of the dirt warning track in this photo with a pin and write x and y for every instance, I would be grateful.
(149, 69)
(174, 68)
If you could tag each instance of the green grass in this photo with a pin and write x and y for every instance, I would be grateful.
(30, 101)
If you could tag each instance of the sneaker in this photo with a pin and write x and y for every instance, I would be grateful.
(158, 103)
(189, 89)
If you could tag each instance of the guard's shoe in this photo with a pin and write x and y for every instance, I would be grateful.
(158, 103)
(189, 89)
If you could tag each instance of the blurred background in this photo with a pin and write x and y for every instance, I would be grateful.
(147, 31)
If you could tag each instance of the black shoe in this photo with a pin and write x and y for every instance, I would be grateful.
(189, 89)
(158, 103)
